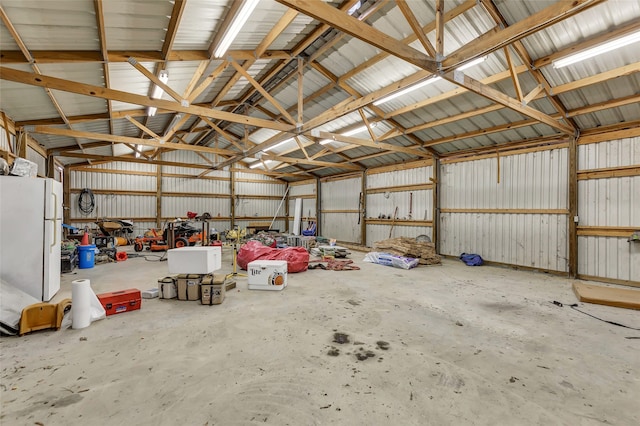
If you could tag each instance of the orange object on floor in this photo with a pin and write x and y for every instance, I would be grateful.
(85, 239)
(121, 301)
(121, 256)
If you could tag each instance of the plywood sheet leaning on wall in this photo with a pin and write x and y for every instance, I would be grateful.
(610, 296)
(409, 247)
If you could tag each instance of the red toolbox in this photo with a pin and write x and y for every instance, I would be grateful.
(117, 302)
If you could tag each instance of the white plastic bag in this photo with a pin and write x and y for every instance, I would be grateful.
(388, 259)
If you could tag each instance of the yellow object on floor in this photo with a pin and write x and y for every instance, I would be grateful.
(42, 316)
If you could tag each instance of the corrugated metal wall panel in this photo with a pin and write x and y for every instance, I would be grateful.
(609, 257)
(33, 155)
(204, 186)
(609, 202)
(139, 228)
(309, 211)
(4, 143)
(343, 227)
(179, 206)
(248, 207)
(255, 188)
(309, 189)
(533, 240)
(278, 224)
(342, 194)
(117, 206)
(126, 166)
(415, 176)
(381, 232)
(422, 206)
(536, 180)
(254, 176)
(107, 181)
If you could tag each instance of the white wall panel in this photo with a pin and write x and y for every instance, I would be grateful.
(623, 152)
(4, 143)
(533, 240)
(139, 228)
(107, 181)
(609, 257)
(342, 194)
(422, 205)
(116, 206)
(414, 176)
(609, 202)
(342, 227)
(248, 207)
(381, 232)
(179, 206)
(204, 186)
(193, 158)
(536, 180)
(309, 210)
(308, 189)
(255, 188)
(33, 155)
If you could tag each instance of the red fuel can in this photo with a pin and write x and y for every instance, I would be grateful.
(117, 302)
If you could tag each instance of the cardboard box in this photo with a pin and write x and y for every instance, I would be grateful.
(168, 288)
(212, 289)
(189, 286)
(267, 274)
(195, 260)
(121, 301)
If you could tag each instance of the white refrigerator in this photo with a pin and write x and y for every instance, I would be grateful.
(30, 234)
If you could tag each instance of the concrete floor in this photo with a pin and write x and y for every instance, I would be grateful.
(466, 345)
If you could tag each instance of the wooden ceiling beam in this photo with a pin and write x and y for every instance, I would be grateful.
(360, 30)
(494, 40)
(370, 144)
(416, 27)
(172, 29)
(293, 161)
(117, 95)
(129, 159)
(43, 130)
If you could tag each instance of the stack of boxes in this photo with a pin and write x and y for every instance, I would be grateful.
(195, 279)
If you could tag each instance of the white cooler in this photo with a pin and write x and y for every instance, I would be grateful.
(195, 260)
(267, 274)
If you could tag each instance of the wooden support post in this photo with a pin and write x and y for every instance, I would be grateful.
(51, 167)
(362, 209)
(573, 207)
(435, 220)
(232, 188)
(318, 206)
(158, 196)
(300, 92)
(21, 144)
(286, 208)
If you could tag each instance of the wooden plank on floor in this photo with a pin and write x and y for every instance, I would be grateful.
(610, 296)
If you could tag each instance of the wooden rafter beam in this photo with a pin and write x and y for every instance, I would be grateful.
(343, 22)
(43, 130)
(77, 56)
(129, 159)
(494, 95)
(416, 27)
(101, 92)
(371, 144)
(172, 29)
(494, 40)
(440, 19)
(293, 161)
(102, 38)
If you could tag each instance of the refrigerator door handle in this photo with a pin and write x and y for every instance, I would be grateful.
(55, 216)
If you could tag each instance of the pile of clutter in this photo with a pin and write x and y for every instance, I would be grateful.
(425, 252)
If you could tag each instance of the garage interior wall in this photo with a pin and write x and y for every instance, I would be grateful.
(609, 210)
(510, 209)
(339, 204)
(307, 191)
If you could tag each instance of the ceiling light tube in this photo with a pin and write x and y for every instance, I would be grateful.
(157, 92)
(236, 25)
(406, 90)
(472, 63)
(278, 144)
(597, 50)
(259, 163)
(354, 131)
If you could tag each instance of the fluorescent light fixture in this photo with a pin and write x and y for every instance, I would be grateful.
(137, 151)
(407, 90)
(236, 25)
(348, 133)
(157, 92)
(259, 163)
(597, 50)
(353, 8)
(278, 144)
(472, 63)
